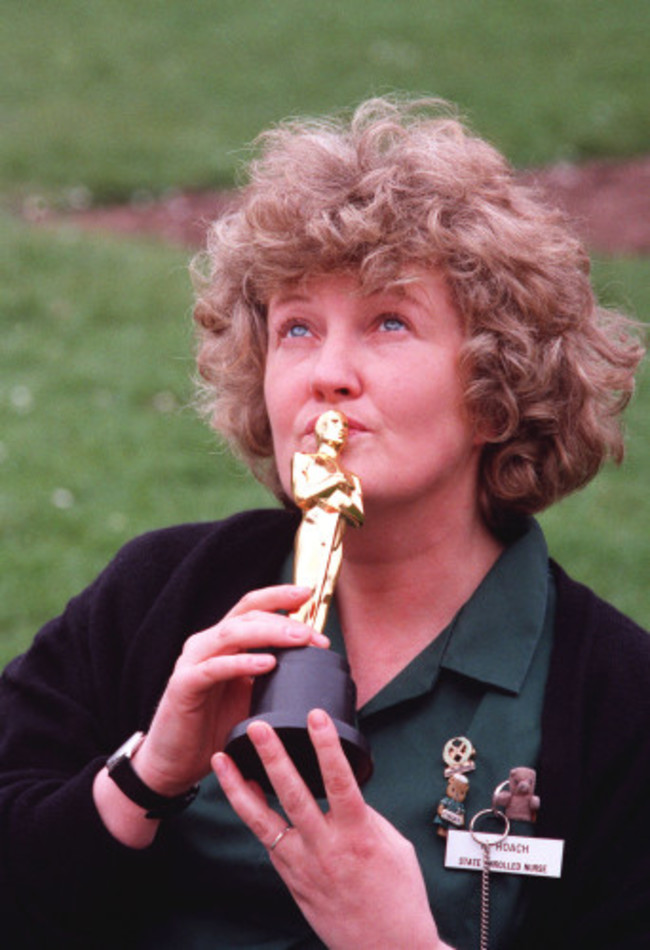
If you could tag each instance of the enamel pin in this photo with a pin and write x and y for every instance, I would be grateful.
(457, 754)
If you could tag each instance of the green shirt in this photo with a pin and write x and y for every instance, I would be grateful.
(483, 678)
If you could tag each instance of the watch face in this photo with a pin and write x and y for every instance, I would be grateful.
(125, 751)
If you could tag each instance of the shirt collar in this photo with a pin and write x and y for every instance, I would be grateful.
(495, 634)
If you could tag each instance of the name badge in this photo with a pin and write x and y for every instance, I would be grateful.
(537, 857)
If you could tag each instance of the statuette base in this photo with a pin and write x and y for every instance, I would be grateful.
(305, 678)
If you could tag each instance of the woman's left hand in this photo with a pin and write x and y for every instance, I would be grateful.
(355, 878)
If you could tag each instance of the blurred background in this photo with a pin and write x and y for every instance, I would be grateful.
(111, 102)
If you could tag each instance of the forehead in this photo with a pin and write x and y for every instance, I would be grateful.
(412, 283)
(459, 780)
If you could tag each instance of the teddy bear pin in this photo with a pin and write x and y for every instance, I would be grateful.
(457, 754)
(517, 795)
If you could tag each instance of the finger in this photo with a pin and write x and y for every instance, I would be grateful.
(250, 631)
(298, 803)
(279, 597)
(191, 681)
(248, 801)
(346, 802)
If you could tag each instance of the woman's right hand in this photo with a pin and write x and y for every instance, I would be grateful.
(207, 694)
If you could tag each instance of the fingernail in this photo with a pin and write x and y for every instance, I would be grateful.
(220, 764)
(296, 633)
(259, 732)
(318, 719)
(320, 639)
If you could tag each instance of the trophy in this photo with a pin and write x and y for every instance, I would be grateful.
(306, 678)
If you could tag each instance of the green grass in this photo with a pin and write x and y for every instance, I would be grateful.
(103, 98)
(98, 442)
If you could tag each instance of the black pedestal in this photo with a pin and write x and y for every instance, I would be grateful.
(305, 678)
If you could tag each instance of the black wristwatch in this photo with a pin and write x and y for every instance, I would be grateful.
(120, 769)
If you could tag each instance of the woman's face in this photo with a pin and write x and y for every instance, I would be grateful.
(389, 361)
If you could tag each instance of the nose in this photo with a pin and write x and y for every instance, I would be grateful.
(336, 371)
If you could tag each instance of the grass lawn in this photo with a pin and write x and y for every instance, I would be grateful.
(99, 442)
(103, 99)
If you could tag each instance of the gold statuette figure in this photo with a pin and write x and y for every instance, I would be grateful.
(330, 497)
(308, 677)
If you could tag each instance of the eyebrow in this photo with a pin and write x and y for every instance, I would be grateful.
(291, 298)
(399, 291)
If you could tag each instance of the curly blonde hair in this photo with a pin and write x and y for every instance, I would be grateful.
(547, 372)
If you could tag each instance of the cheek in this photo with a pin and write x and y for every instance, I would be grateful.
(280, 422)
(284, 385)
(429, 397)
(275, 401)
(282, 455)
(284, 473)
(269, 387)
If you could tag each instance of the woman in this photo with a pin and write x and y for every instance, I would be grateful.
(395, 270)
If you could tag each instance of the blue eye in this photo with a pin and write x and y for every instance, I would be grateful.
(391, 322)
(297, 330)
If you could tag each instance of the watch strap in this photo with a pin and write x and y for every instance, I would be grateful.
(120, 768)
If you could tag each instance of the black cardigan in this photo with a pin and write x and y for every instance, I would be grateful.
(95, 674)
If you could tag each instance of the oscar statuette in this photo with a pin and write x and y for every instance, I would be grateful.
(307, 678)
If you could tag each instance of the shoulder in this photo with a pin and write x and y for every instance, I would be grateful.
(238, 529)
(159, 554)
(183, 574)
(595, 635)
(196, 565)
(301, 464)
(601, 659)
(597, 703)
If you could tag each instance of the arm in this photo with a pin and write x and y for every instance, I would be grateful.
(352, 505)
(207, 694)
(60, 863)
(69, 836)
(311, 481)
(94, 676)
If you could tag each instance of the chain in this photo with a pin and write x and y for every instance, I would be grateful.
(485, 870)
(485, 897)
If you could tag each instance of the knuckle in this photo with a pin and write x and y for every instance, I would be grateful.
(295, 799)
(408, 848)
(329, 870)
(247, 602)
(260, 829)
(189, 646)
(338, 785)
(364, 850)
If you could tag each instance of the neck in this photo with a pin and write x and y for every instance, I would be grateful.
(326, 450)
(403, 580)
(413, 565)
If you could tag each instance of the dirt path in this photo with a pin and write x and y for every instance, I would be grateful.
(609, 201)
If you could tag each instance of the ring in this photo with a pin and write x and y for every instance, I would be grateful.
(278, 838)
(492, 839)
